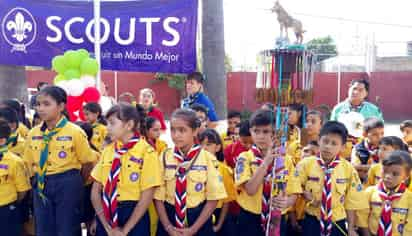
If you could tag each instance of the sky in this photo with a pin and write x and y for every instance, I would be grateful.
(250, 27)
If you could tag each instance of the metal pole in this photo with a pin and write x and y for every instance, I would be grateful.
(339, 78)
(96, 13)
(115, 85)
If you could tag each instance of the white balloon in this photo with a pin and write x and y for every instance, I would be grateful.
(75, 87)
(88, 81)
(64, 85)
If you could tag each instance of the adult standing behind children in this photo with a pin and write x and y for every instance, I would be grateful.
(356, 101)
(147, 101)
(194, 91)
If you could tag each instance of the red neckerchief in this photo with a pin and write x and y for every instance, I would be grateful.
(385, 221)
(326, 206)
(181, 183)
(109, 198)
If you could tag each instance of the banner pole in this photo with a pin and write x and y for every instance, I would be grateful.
(96, 13)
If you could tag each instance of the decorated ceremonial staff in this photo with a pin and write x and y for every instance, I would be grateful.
(278, 184)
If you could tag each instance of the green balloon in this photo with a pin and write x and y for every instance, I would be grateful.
(58, 64)
(89, 66)
(83, 54)
(72, 74)
(73, 59)
(59, 78)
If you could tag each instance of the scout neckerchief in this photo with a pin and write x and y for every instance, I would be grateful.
(109, 196)
(12, 140)
(326, 206)
(94, 125)
(3, 150)
(267, 187)
(190, 100)
(373, 152)
(385, 221)
(47, 136)
(184, 162)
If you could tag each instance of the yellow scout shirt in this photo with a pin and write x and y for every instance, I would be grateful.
(161, 146)
(99, 133)
(246, 166)
(203, 180)
(139, 171)
(22, 130)
(401, 213)
(13, 178)
(374, 174)
(294, 146)
(226, 139)
(346, 187)
(18, 147)
(68, 149)
(228, 182)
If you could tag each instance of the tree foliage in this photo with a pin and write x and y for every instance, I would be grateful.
(323, 47)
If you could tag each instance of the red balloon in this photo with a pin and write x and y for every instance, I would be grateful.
(91, 94)
(74, 105)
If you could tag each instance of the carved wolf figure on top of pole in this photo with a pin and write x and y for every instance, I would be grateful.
(286, 21)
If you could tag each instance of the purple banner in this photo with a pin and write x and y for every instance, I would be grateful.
(147, 36)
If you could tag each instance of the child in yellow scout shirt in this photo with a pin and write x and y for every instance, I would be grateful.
(24, 124)
(153, 132)
(253, 178)
(295, 120)
(314, 121)
(224, 224)
(14, 183)
(406, 129)
(331, 186)
(365, 153)
(93, 114)
(191, 185)
(15, 143)
(88, 214)
(201, 114)
(230, 136)
(386, 145)
(389, 209)
(153, 129)
(55, 152)
(125, 177)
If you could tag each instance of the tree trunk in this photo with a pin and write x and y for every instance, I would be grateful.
(213, 54)
(13, 83)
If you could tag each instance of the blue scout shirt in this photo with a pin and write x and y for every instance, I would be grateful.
(201, 98)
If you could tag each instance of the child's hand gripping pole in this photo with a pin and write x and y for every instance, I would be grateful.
(278, 180)
(279, 185)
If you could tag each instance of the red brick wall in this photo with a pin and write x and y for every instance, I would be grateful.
(394, 89)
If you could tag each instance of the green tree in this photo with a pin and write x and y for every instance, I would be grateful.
(228, 64)
(323, 47)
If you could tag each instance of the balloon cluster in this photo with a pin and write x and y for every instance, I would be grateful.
(76, 74)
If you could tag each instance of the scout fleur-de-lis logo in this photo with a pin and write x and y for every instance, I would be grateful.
(19, 29)
(19, 26)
